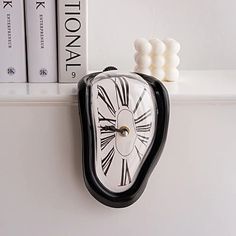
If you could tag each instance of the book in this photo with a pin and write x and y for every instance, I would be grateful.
(72, 40)
(12, 42)
(41, 40)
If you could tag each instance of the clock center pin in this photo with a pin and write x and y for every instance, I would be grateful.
(124, 131)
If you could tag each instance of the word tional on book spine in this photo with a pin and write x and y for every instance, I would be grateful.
(72, 40)
(41, 40)
(12, 41)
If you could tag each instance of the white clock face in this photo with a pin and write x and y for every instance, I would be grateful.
(125, 115)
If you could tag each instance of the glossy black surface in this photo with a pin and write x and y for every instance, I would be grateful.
(102, 194)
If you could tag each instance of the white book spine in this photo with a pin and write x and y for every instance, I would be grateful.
(12, 42)
(41, 40)
(72, 40)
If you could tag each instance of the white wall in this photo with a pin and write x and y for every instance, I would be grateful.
(205, 28)
(42, 192)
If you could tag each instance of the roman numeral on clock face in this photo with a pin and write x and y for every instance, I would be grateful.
(105, 141)
(143, 139)
(125, 174)
(140, 155)
(106, 162)
(101, 118)
(122, 91)
(105, 131)
(144, 128)
(143, 117)
(139, 101)
(105, 98)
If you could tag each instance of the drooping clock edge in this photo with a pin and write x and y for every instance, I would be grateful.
(94, 186)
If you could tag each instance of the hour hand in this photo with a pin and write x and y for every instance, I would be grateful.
(109, 128)
(124, 130)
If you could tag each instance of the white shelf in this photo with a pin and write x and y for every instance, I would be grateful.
(194, 86)
(204, 86)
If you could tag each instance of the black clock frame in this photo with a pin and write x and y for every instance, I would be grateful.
(95, 187)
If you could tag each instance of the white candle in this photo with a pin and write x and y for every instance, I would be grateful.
(172, 60)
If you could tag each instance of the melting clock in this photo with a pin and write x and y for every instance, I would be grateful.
(124, 120)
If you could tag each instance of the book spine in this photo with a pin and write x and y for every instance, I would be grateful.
(12, 42)
(41, 40)
(72, 40)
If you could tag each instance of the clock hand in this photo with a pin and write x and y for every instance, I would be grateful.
(124, 131)
(109, 128)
